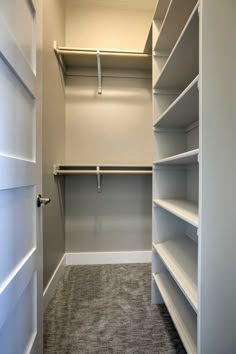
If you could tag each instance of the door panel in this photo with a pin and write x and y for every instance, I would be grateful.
(13, 11)
(25, 310)
(17, 218)
(17, 132)
(21, 177)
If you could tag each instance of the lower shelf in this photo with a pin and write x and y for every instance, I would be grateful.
(180, 257)
(182, 314)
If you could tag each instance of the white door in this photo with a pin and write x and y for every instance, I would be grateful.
(20, 177)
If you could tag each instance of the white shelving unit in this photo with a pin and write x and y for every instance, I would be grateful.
(175, 170)
(181, 312)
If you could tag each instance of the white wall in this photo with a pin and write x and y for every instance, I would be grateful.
(108, 24)
(112, 128)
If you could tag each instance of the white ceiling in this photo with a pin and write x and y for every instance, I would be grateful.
(144, 5)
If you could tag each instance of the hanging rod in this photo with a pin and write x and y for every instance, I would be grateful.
(102, 172)
(105, 52)
(99, 171)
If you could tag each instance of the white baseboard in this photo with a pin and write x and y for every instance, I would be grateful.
(52, 284)
(85, 258)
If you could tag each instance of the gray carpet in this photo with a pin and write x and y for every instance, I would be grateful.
(106, 309)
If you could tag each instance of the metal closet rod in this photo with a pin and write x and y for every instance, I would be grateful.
(105, 52)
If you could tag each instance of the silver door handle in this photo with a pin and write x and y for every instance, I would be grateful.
(42, 201)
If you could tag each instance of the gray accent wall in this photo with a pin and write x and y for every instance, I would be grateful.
(53, 138)
(118, 219)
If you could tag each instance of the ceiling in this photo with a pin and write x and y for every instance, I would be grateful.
(136, 5)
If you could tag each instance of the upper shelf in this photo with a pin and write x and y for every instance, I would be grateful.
(181, 66)
(175, 19)
(77, 58)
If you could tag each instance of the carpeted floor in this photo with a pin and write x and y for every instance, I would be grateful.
(106, 309)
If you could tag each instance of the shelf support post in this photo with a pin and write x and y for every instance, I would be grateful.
(99, 73)
(99, 180)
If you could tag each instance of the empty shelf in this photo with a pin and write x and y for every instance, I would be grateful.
(181, 312)
(184, 209)
(189, 157)
(183, 111)
(173, 24)
(180, 257)
(182, 65)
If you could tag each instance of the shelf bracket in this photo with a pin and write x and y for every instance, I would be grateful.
(99, 73)
(99, 180)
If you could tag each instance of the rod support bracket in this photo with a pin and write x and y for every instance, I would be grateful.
(99, 73)
(99, 180)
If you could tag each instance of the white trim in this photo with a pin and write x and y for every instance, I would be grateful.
(84, 258)
(51, 286)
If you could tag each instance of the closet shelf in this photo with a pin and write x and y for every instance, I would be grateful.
(98, 171)
(189, 157)
(175, 19)
(86, 59)
(101, 169)
(180, 257)
(182, 64)
(182, 314)
(184, 209)
(184, 111)
(74, 58)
